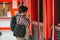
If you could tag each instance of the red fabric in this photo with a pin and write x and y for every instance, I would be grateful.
(55, 17)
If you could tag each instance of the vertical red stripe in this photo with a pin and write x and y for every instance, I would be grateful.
(49, 14)
(30, 16)
(45, 19)
(38, 22)
(55, 17)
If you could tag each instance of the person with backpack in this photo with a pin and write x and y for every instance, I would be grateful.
(19, 23)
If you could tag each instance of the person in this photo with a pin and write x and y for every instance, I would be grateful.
(19, 23)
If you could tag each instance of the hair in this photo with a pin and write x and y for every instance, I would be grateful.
(22, 9)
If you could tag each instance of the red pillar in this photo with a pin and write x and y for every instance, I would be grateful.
(44, 20)
(47, 18)
(49, 12)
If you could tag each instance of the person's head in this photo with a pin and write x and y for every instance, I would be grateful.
(22, 9)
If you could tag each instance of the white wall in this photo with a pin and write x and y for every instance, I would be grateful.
(5, 22)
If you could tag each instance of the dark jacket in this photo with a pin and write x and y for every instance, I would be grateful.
(13, 23)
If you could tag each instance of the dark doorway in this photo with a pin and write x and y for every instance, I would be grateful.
(58, 11)
(41, 10)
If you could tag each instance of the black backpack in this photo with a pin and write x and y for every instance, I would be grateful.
(16, 28)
